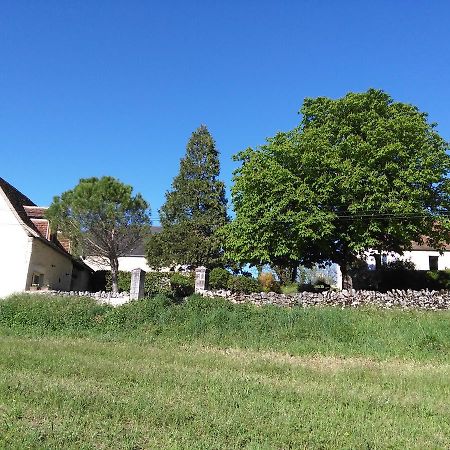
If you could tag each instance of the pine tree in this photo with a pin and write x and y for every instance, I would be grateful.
(194, 210)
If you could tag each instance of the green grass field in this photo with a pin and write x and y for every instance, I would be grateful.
(208, 374)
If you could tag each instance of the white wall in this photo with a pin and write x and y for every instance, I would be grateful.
(56, 267)
(126, 263)
(15, 249)
(420, 258)
(421, 261)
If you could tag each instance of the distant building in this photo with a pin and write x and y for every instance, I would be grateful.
(134, 259)
(31, 256)
(422, 256)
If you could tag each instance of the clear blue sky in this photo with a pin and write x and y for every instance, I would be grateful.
(92, 88)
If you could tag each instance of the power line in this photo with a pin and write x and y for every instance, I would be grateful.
(373, 215)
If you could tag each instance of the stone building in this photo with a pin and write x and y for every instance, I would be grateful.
(31, 256)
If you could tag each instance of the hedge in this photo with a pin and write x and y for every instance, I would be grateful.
(167, 283)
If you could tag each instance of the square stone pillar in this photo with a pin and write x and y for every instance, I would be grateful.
(137, 284)
(201, 279)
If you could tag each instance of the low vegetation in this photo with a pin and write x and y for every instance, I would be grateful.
(418, 335)
(210, 374)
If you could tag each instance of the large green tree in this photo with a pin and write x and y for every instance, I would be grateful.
(359, 172)
(102, 219)
(194, 209)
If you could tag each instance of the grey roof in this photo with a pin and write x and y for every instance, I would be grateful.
(139, 250)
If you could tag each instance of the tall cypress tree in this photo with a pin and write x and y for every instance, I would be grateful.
(194, 209)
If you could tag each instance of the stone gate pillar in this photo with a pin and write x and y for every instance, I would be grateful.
(137, 284)
(201, 279)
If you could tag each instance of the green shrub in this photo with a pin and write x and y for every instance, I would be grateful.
(157, 283)
(181, 285)
(244, 285)
(268, 282)
(218, 278)
(123, 281)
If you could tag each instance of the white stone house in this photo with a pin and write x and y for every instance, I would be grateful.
(422, 256)
(134, 259)
(31, 256)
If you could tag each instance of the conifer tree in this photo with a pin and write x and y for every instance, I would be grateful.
(102, 219)
(194, 210)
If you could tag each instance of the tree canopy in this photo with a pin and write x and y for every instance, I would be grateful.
(359, 172)
(194, 209)
(102, 218)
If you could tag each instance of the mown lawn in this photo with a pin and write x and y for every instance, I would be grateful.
(108, 384)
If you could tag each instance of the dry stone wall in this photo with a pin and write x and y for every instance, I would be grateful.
(431, 300)
(101, 297)
(409, 299)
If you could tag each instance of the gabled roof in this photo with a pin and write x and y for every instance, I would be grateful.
(424, 247)
(35, 212)
(18, 201)
(26, 211)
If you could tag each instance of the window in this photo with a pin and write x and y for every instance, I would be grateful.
(37, 280)
(433, 262)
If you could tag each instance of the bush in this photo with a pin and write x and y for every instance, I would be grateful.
(400, 264)
(218, 278)
(244, 285)
(157, 283)
(181, 285)
(123, 281)
(268, 282)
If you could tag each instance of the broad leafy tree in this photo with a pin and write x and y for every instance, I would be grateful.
(102, 219)
(194, 209)
(359, 172)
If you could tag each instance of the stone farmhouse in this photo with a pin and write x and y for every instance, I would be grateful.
(32, 257)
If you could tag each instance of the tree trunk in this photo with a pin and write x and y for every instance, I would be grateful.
(114, 274)
(347, 282)
(294, 273)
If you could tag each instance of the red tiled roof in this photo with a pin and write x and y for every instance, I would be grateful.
(424, 247)
(21, 204)
(35, 212)
(43, 227)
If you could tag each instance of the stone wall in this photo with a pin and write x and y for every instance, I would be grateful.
(431, 300)
(101, 297)
(409, 299)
